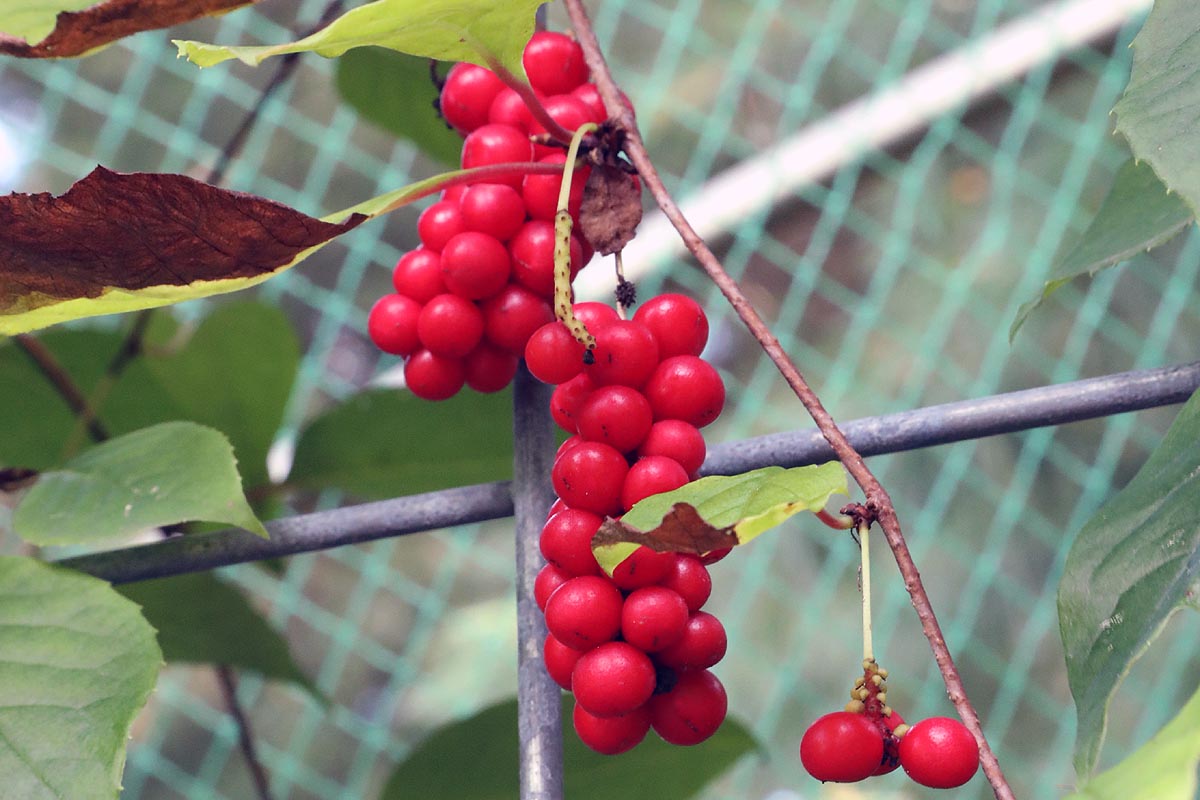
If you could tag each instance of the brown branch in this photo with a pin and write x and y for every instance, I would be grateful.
(58, 376)
(228, 683)
(877, 497)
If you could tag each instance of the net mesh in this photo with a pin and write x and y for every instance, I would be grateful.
(892, 283)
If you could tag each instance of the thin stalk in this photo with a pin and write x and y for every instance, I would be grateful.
(864, 546)
(228, 683)
(61, 380)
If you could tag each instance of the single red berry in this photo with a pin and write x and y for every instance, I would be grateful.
(650, 476)
(653, 617)
(532, 251)
(677, 322)
(616, 415)
(595, 315)
(567, 444)
(392, 324)
(585, 612)
(511, 317)
(548, 579)
(440, 223)
(939, 752)
(686, 388)
(701, 645)
(625, 353)
(475, 265)
(553, 355)
(589, 94)
(497, 144)
(560, 660)
(713, 556)
(589, 476)
(566, 541)
(558, 504)
(690, 579)
(677, 440)
(418, 274)
(891, 745)
(450, 326)
(611, 735)
(493, 208)
(643, 567)
(691, 711)
(508, 108)
(568, 111)
(554, 62)
(489, 369)
(566, 400)
(540, 192)
(467, 95)
(454, 192)
(432, 377)
(612, 679)
(842, 747)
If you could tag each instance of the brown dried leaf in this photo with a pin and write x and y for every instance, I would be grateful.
(683, 530)
(135, 240)
(78, 32)
(611, 210)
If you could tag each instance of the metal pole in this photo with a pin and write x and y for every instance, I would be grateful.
(539, 700)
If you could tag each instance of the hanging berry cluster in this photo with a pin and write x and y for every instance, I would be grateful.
(467, 300)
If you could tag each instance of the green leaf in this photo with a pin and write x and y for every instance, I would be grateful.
(483, 749)
(385, 443)
(718, 511)
(77, 662)
(1133, 564)
(1162, 769)
(1137, 215)
(202, 619)
(394, 90)
(1159, 110)
(169, 473)
(448, 30)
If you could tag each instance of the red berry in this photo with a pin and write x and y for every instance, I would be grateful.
(513, 315)
(560, 661)
(509, 109)
(589, 94)
(418, 274)
(553, 355)
(475, 265)
(686, 388)
(842, 747)
(566, 400)
(625, 353)
(939, 752)
(558, 504)
(678, 440)
(455, 192)
(440, 223)
(713, 556)
(467, 95)
(613, 679)
(392, 324)
(540, 192)
(691, 711)
(595, 315)
(585, 612)
(568, 111)
(548, 579)
(891, 745)
(493, 208)
(643, 567)
(611, 735)
(450, 326)
(554, 62)
(566, 541)
(616, 415)
(677, 322)
(433, 377)
(690, 579)
(589, 476)
(650, 476)
(532, 250)
(489, 369)
(497, 144)
(701, 645)
(653, 618)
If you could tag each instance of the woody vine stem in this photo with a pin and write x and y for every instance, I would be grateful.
(878, 503)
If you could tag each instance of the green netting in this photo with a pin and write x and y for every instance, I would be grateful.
(892, 283)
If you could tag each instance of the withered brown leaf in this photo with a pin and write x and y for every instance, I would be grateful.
(682, 530)
(611, 210)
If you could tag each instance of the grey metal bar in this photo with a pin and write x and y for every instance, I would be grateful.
(539, 704)
(925, 427)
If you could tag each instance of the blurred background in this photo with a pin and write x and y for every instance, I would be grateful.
(891, 275)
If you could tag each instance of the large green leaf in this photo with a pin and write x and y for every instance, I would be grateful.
(1138, 214)
(448, 30)
(1133, 564)
(202, 619)
(394, 90)
(169, 473)
(718, 511)
(1161, 107)
(1162, 769)
(384, 443)
(77, 662)
(476, 759)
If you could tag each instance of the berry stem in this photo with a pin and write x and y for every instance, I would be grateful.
(491, 172)
(876, 496)
(864, 532)
(562, 248)
(838, 523)
(556, 131)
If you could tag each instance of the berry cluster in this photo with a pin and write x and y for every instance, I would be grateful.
(869, 738)
(467, 300)
(635, 649)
